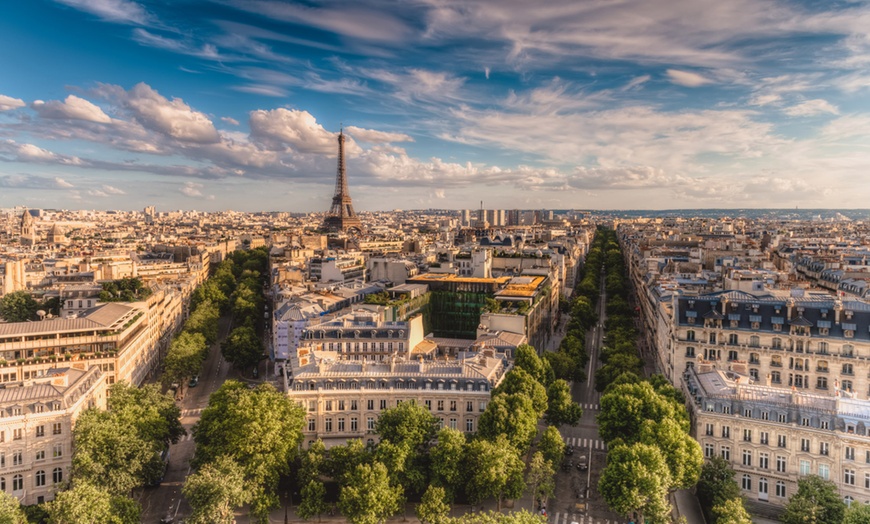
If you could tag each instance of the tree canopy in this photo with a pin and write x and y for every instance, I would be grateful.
(636, 478)
(86, 503)
(214, 491)
(10, 510)
(495, 469)
(243, 347)
(18, 306)
(368, 497)
(817, 501)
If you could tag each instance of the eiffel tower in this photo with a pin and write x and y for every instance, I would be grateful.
(341, 216)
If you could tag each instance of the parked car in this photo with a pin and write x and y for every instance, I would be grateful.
(583, 463)
(255, 373)
(567, 465)
(569, 450)
(193, 382)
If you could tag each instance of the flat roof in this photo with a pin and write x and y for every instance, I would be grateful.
(443, 277)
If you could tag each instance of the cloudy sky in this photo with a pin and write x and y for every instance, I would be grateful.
(593, 104)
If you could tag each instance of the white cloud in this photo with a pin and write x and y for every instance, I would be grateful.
(33, 182)
(636, 82)
(73, 107)
(296, 129)
(229, 120)
(262, 89)
(687, 78)
(173, 118)
(372, 136)
(111, 190)
(8, 103)
(123, 11)
(812, 108)
(34, 153)
(192, 189)
(62, 183)
(97, 193)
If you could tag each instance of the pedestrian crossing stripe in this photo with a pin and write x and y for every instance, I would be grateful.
(191, 412)
(569, 518)
(586, 443)
(593, 407)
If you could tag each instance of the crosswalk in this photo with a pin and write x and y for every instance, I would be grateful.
(187, 437)
(569, 518)
(591, 407)
(586, 443)
(191, 412)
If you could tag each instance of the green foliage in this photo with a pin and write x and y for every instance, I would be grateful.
(682, 453)
(626, 407)
(511, 415)
(541, 477)
(368, 497)
(343, 460)
(408, 424)
(86, 503)
(617, 365)
(184, 358)
(313, 502)
(433, 507)
(18, 307)
(563, 365)
(211, 291)
(519, 381)
(447, 461)
(10, 510)
(636, 478)
(215, 491)
(816, 501)
(731, 511)
(313, 463)
(495, 469)
(204, 320)
(552, 445)
(243, 347)
(527, 359)
(493, 517)
(716, 485)
(128, 289)
(258, 428)
(561, 409)
(857, 514)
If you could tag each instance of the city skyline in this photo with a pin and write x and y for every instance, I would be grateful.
(236, 105)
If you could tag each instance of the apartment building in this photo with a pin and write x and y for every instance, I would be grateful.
(36, 422)
(362, 335)
(343, 398)
(774, 436)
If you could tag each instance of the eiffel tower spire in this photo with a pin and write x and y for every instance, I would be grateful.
(341, 216)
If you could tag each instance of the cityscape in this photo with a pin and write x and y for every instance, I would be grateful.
(435, 262)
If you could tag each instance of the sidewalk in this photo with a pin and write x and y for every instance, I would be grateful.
(686, 505)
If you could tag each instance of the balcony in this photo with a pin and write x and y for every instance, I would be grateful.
(776, 364)
(821, 370)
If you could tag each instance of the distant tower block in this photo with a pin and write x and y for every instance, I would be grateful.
(27, 232)
(341, 216)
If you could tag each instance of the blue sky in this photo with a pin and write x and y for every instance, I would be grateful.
(599, 104)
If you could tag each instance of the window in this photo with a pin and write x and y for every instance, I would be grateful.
(782, 418)
(732, 356)
(353, 405)
(763, 460)
(805, 467)
(40, 455)
(850, 453)
(747, 413)
(690, 352)
(805, 444)
(726, 452)
(747, 483)
(312, 424)
(823, 448)
(341, 405)
(780, 463)
(17, 458)
(712, 338)
(805, 421)
(847, 369)
(765, 436)
(370, 405)
(354, 424)
(453, 423)
(440, 405)
(775, 377)
(17, 434)
(776, 343)
(732, 340)
(17, 483)
(469, 406)
(3, 483)
(866, 480)
(341, 424)
(747, 457)
(762, 486)
(328, 405)
(428, 404)
(821, 383)
(482, 406)
(709, 430)
(747, 435)
(846, 385)
(848, 500)
(57, 475)
(825, 471)
(328, 427)
(452, 405)
(754, 341)
(2, 460)
(40, 431)
(56, 428)
(726, 431)
(40, 478)
(780, 489)
(383, 404)
(370, 423)
(849, 476)
(690, 335)
(726, 410)
(708, 450)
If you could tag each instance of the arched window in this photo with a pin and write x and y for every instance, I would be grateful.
(754, 341)
(17, 483)
(690, 335)
(40, 478)
(776, 343)
(848, 350)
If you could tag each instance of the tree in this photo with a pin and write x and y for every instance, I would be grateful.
(184, 358)
(716, 485)
(564, 366)
(157, 415)
(495, 469)
(636, 478)
(682, 453)
(447, 461)
(88, 504)
(857, 514)
(214, 491)
(527, 359)
(616, 365)
(816, 501)
(10, 510)
(243, 347)
(561, 409)
(731, 511)
(433, 507)
(552, 445)
(626, 407)
(259, 428)
(408, 424)
(313, 501)
(204, 320)
(540, 477)
(313, 463)
(519, 380)
(210, 291)
(368, 497)
(511, 415)
(18, 306)
(343, 460)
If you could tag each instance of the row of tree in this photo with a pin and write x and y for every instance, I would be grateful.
(243, 347)
(644, 422)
